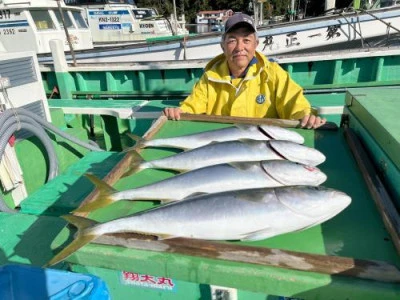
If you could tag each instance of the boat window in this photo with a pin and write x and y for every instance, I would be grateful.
(386, 3)
(67, 19)
(122, 1)
(42, 20)
(144, 13)
(80, 21)
(383, 3)
(87, 2)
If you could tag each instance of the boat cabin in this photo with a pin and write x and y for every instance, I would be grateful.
(113, 21)
(30, 25)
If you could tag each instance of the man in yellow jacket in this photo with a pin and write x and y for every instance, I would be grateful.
(242, 82)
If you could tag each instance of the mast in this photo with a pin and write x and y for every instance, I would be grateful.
(71, 48)
(292, 11)
(175, 19)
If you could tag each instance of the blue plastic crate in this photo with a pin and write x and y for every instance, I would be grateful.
(22, 282)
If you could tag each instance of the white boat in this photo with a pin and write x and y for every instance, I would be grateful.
(120, 22)
(30, 25)
(340, 31)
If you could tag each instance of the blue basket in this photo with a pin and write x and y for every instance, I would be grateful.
(21, 282)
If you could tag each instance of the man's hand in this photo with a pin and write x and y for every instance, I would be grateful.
(312, 121)
(173, 113)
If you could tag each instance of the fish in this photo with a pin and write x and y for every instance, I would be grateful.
(230, 151)
(211, 179)
(239, 131)
(245, 215)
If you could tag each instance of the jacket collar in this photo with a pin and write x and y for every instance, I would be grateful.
(217, 69)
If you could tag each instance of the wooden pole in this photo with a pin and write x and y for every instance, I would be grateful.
(279, 258)
(71, 48)
(251, 121)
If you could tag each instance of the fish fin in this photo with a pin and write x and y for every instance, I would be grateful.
(247, 141)
(162, 237)
(259, 234)
(80, 223)
(310, 225)
(165, 201)
(104, 198)
(243, 127)
(80, 241)
(194, 195)
(135, 165)
(243, 166)
(140, 143)
(254, 196)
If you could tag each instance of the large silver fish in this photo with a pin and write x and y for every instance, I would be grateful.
(212, 179)
(232, 151)
(237, 132)
(235, 215)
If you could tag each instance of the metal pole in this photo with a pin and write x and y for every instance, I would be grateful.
(255, 10)
(66, 33)
(292, 10)
(175, 19)
(305, 8)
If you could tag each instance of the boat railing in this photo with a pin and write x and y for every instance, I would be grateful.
(379, 19)
(355, 29)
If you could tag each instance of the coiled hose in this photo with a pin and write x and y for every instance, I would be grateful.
(13, 120)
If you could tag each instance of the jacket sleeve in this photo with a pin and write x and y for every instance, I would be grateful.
(290, 101)
(196, 102)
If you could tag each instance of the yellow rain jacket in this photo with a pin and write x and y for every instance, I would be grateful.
(267, 91)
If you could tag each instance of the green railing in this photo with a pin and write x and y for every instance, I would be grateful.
(158, 81)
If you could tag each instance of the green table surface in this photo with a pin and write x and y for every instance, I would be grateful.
(356, 232)
(378, 111)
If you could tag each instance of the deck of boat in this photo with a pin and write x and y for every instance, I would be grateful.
(359, 233)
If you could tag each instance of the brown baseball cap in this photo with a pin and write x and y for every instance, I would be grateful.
(238, 20)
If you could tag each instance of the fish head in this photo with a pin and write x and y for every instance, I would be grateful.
(291, 173)
(297, 153)
(279, 133)
(317, 203)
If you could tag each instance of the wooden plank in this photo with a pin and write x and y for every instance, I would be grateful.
(383, 201)
(155, 127)
(251, 121)
(325, 264)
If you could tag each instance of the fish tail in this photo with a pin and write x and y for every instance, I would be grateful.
(104, 198)
(140, 143)
(136, 164)
(81, 240)
(138, 139)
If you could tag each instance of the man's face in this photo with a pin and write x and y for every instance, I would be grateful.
(239, 47)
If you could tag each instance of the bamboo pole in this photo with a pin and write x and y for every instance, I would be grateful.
(279, 258)
(251, 121)
(71, 48)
